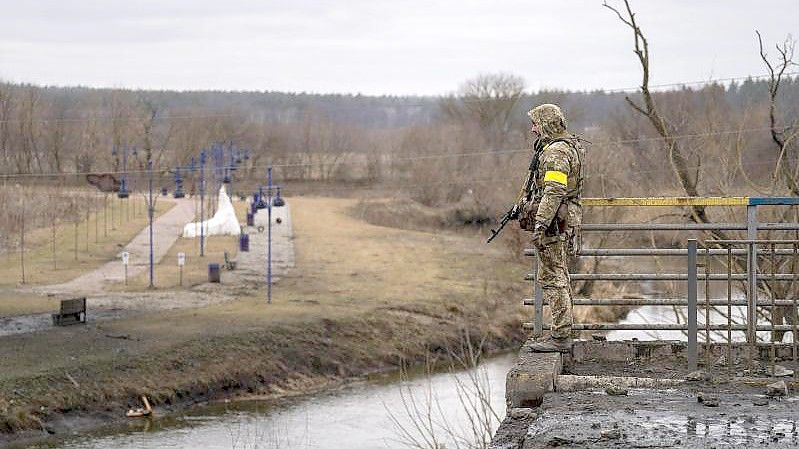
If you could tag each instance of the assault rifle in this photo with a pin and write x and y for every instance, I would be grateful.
(524, 194)
(512, 214)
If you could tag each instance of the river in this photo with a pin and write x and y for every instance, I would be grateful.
(364, 415)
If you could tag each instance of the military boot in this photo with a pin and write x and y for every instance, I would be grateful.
(552, 344)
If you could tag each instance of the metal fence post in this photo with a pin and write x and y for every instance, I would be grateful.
(692, 327)
(538, 294)
(751, 274)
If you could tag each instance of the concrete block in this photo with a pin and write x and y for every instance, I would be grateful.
(620, 351)
(531, 378)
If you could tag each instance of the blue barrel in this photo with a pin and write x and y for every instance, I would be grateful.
(250, 219)
(213, 273)
(244, 242)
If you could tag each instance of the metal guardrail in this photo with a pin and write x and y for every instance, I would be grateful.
(670, 277)
(749, 248)
(753, 278)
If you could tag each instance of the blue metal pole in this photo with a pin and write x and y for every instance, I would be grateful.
(151, 212)
(269, 236)
(123, 187)
(132, 189)
(178, 184)
(202, 203)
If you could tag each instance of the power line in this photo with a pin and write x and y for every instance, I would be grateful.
(696, 83)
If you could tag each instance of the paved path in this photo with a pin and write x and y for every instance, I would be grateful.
(167, 228)
(251, 266)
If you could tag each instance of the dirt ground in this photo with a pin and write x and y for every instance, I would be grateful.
(360, 298)
(665, 418)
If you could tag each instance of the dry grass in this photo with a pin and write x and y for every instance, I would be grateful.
(355, 262)
(20, 303)
(105, 241)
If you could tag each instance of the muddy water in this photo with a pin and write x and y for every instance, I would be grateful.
(365, 415)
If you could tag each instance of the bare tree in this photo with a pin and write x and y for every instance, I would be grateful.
(151, 112)
(781, 136)
(679, 162)
(488, 100)
(5, 133)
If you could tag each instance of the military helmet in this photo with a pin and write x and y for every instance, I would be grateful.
(549, 119)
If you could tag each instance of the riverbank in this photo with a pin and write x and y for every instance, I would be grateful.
(362, 299)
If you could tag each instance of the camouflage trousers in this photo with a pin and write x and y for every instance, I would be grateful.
(553, 276)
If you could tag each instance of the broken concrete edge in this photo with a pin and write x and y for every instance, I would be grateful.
(536, 374)
(512, 430)
(571, 383)
(527, 382)
(532, 377)
(567, 382)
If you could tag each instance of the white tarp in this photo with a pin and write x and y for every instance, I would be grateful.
(224, 221)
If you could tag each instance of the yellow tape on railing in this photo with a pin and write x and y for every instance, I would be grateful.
(668, 201)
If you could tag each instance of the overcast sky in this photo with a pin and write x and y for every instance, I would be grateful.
(377, 46)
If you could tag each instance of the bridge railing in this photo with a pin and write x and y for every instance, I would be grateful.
(695, 257)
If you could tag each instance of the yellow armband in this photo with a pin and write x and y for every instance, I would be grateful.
(556, 176)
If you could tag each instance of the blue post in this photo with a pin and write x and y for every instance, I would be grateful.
(123, 183)
(178, 184)
(202, 203)
(231, 167)
(151, 212)
(135, 154)
(269, 236)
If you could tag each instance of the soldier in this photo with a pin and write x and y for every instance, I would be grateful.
(552, 212)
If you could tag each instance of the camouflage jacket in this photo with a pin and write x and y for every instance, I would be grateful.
(559, 180)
